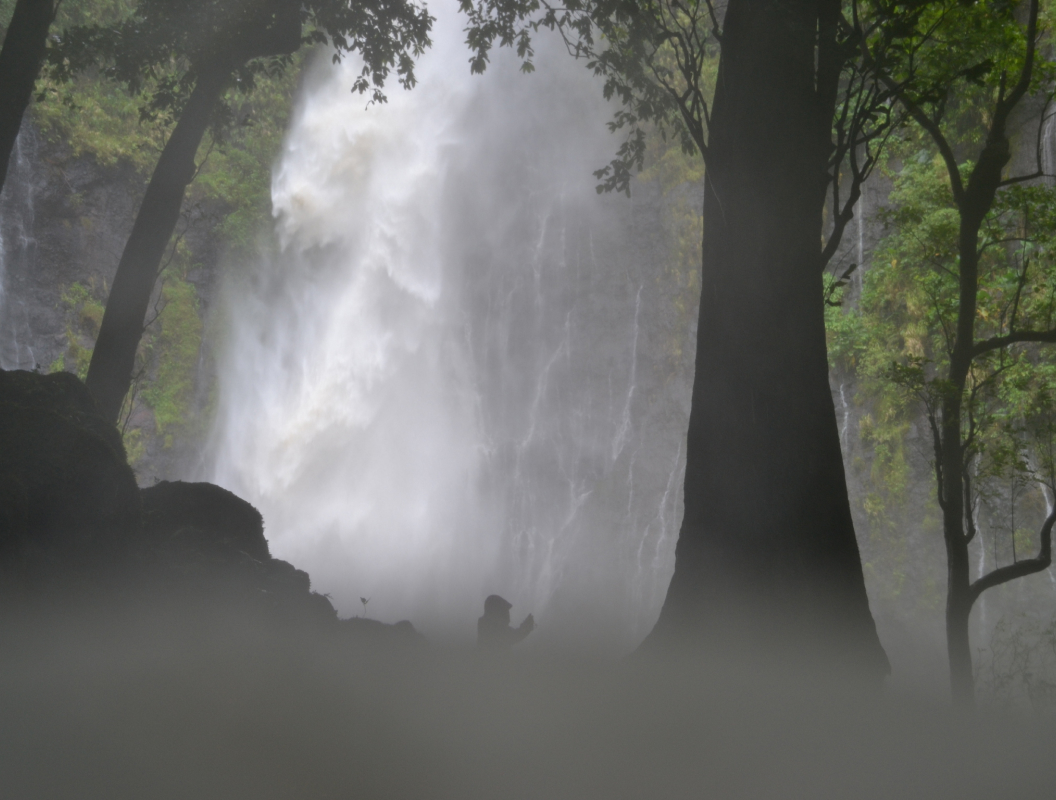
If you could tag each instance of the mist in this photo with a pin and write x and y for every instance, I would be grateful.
(220, 704)
(449, 369)
(432, 386)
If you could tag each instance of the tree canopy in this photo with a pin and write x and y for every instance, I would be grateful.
(189, 52)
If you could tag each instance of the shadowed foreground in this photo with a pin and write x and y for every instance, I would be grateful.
(214, 704)
(151, 647)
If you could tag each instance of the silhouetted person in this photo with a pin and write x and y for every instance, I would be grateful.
(493, 629)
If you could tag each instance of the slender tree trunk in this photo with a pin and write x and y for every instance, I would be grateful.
(952, 498)
(958, 646)
(20, 62)
(767, 549)
(113, 359)
(973, 206)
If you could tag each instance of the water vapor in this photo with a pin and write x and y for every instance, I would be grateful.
(435, 389)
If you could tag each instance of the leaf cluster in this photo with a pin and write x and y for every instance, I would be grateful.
(165, 45)
(900, 337)
(658, 58)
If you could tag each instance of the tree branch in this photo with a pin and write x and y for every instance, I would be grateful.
(997, 342)
(1006, 104)
(1021, 568)
(932, 127)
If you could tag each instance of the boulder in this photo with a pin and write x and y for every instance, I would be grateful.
(64, 394)
(67, 493)
(204, 518)
(374, 632)
(283, 576)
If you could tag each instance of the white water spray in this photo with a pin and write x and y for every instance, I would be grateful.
(414, 390)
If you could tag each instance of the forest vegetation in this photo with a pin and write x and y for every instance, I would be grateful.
(948, 329)
(902, 84)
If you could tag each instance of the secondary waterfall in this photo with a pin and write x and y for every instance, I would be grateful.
(441, 385)
(16, 250)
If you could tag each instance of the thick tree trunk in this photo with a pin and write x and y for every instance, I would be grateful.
(113, 360)
(20, 62)
(767, 549)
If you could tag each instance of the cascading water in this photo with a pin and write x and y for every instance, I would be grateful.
(16, 250)
(436, 390)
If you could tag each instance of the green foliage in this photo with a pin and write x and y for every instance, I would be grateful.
(159, 48)
(898, 338)
(166, 362)
(135, 445)
(176, 345)
(84, 313)
(658, 58)
(95, 117)
(237, 171)
(954, 57)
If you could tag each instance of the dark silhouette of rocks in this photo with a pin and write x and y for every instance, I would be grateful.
(372, 631)
(207, 515)
(71, 515)
(64, 394)
(67, 495)
(283, 573)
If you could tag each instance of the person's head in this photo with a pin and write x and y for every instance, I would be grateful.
(497, 608)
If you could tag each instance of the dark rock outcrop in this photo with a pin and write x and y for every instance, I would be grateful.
(61, 393)
(69, 501)
(211, 542)
(374, 632)
(67, 494)
(203, 517)
(283, 575)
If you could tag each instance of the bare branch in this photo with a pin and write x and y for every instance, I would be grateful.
(1019, 569)
(716, 29)
(997, 342)
(1006, 104)
(1020, 283)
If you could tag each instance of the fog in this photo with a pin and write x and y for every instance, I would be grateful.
(221, 705)
(453, 370)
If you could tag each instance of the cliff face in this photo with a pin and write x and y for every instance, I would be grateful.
(64, 219)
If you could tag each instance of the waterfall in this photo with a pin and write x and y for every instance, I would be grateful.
(1048, 147)
(845, 413)
(17, 246)
(436, 385)
(860, 211)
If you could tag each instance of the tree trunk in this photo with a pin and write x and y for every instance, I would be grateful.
(958, 569)
(958, 648)
(269, 28)
(767, 549)
(20, 62)
(114, 356)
